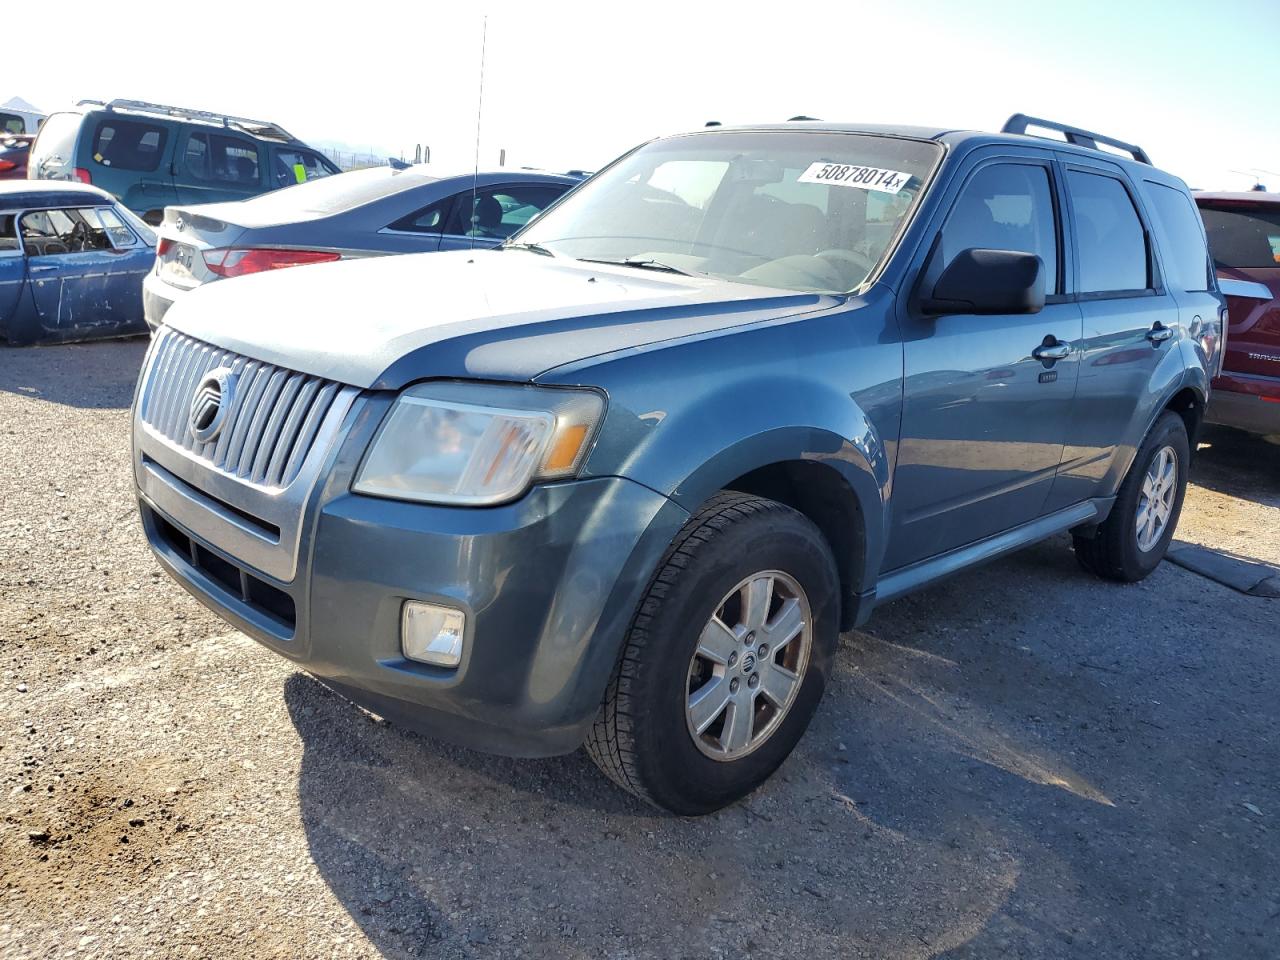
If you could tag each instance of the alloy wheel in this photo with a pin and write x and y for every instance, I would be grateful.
(749, 665)
(1155, 503)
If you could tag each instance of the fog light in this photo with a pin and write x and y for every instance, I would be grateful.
(432, 634)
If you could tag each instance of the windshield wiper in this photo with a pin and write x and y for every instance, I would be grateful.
(531, 247)
(646, 264)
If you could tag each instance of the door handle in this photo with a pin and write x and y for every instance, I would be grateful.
(1159, 333)
(1052, 349)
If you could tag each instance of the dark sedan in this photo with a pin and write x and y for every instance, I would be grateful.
(372, 212)
(71, 263)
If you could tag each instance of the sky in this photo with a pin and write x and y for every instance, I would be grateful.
(574, 85)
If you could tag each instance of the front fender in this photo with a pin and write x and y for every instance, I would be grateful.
(688, 422)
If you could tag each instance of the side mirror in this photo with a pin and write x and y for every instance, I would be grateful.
(989, 281)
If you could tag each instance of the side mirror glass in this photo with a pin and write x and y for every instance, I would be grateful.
(987, 282)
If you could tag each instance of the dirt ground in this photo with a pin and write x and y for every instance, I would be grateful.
(1022, 762)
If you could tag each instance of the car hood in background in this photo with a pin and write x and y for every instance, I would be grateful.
(386, 321)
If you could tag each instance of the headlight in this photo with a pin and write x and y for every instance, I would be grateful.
(477, 444)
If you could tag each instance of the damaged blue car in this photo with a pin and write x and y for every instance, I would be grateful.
(72, 261)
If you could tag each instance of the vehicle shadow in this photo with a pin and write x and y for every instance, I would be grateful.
(984, 779)
(1238, 464)
(99, 375)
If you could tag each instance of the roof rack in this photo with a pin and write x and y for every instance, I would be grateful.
(1019, 122)
(257, 128)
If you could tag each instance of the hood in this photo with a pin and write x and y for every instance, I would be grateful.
(383, 322)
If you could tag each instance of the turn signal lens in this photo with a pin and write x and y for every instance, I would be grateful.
(564, 452)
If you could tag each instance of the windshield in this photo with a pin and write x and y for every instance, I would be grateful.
(1243, 236)
(799, 210)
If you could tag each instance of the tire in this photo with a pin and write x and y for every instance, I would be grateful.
(644, 736)
(1116, 550)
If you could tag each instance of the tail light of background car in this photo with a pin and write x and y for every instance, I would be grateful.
(163, 246)
(6, 165)
(236, 261)
(81, 174)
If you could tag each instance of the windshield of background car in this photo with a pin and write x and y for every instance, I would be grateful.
(1243, 236)
(803, 211)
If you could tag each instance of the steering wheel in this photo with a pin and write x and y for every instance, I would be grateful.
(838, 255)
(79, 239)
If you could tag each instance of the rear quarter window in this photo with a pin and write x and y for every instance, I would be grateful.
(1185, 256)
(129, 144)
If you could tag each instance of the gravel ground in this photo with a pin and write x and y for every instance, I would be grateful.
(1022, 762)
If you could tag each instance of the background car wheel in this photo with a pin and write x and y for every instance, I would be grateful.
(726, 659)
(1135, 536)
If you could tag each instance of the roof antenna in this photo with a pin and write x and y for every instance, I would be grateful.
(475, 176)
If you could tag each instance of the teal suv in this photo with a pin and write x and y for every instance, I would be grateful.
(622, 480)
(150, 155)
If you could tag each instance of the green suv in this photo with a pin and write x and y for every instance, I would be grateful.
(149, 155)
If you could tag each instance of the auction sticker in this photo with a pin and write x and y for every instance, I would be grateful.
(853, 175)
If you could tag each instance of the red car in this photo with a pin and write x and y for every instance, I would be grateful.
(14, 150)
(1244, 238)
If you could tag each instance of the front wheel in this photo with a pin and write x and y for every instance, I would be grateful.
(1133, 539)
(726, 659)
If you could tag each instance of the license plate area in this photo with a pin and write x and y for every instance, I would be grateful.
(178, 264)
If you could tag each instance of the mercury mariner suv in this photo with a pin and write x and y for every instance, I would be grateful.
(623, 480)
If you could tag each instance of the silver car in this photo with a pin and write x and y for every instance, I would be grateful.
(370, 212)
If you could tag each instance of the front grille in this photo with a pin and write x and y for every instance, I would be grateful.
(273, 420)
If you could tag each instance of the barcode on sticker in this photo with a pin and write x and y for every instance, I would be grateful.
(853, 175)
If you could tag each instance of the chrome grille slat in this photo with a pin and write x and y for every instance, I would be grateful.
(269, 431)
(251, 390)
(289, 431)
(244, 370)
(310, 427)
(253, 436)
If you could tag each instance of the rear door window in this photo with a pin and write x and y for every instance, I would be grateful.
(1184, 255)
(217, 158)
(299, 166)
(129, 144)
(9, 123)
(1112, 242)
(495, 213)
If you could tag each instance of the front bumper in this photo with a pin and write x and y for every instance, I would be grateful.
(548, 583)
